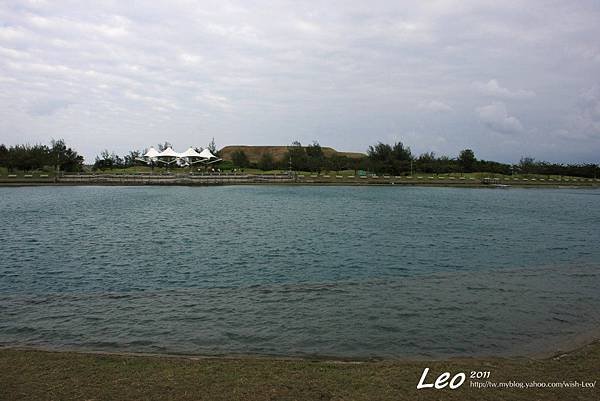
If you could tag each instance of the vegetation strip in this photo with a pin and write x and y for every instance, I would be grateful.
(42, 375)
(381, 161)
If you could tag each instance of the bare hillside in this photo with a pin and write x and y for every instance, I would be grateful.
(254, 153)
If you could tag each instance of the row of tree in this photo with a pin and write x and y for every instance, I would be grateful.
(381, 158)
(397, 159)
(109, 160)
(57, 156)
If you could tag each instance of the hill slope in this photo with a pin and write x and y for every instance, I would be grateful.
(254, 153)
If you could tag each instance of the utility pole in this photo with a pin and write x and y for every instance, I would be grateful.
(290, 172)
(57, 173)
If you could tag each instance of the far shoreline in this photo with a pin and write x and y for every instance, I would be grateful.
(344, 183)
(562, 347)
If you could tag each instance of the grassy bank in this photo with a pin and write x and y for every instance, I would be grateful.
(4, 173)
(40, 375)
(302, 179)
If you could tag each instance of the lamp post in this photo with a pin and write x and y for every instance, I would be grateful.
(57, 166)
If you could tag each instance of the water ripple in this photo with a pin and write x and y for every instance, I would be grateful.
(298, 271)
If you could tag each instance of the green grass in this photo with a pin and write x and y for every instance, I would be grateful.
(4, 172)
(38, 375)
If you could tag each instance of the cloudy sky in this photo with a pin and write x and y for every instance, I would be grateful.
(507, 79)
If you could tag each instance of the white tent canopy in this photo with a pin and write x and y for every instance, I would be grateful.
(169, 152)
(151, 153)
(191, 152)
(207, 155)
(169, 156)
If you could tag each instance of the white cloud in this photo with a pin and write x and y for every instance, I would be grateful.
(13, 54)
(493, 88)
(214, 100)
(269, 73)
(48, 106)
(8, 33)
(190, 59)
(164, 104)
(435, 106)
(585, 121)
(496, 117)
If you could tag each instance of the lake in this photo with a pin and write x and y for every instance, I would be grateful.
(351, 272)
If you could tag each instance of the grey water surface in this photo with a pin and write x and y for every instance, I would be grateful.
(286, 270)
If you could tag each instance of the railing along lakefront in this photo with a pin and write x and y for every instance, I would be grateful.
(171, 178)
(224, 178)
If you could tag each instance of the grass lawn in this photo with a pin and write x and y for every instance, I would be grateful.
(39, 375)
(20, 173)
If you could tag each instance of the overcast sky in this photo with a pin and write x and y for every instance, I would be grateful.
(507, 79)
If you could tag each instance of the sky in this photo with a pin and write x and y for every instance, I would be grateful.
(506, 79)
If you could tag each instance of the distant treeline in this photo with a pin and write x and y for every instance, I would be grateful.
(109, 160)
(57, 156)
(397, 159)
(382, 158)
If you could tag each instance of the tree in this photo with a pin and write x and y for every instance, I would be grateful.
(389, 159)
(316, 158)
(382, 152)
(266, 162)
(426, 163)
(163, 146)
(104, 161)
(314, 150)
(467, 160)
(337, 162)
(57, 151)
(401, 152)
(240, 159)
(72, 161)
(447, 165)
(297, 154)
(213, 147)
(3, 155)
(527, 165)
(64, 158)
(131, 158)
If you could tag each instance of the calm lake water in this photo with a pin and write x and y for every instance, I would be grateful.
(286, 270)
